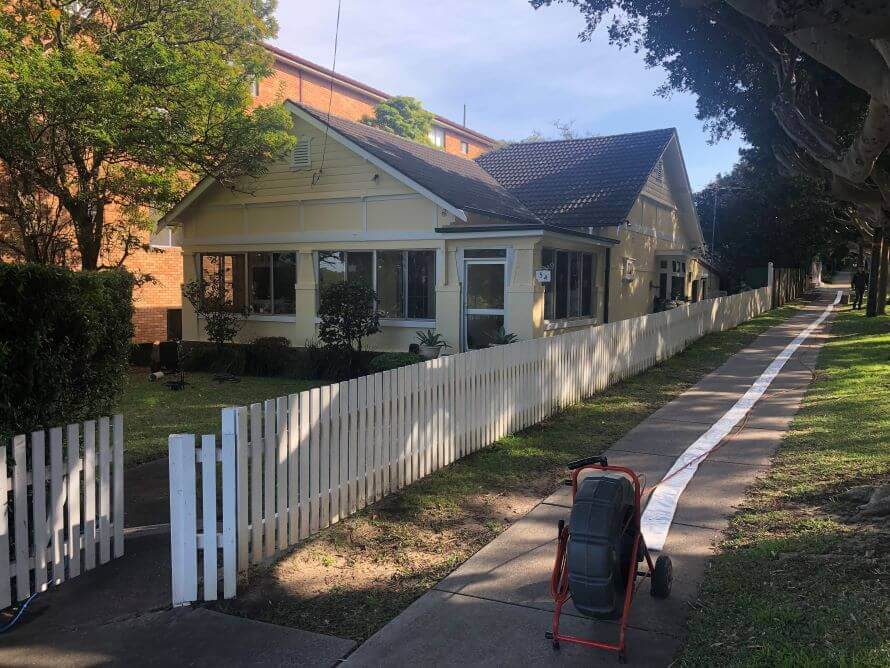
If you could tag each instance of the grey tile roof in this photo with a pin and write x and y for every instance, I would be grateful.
(579, 182)
(457, 180)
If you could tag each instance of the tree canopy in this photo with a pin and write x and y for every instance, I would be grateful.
(402, 116)
(111, 107)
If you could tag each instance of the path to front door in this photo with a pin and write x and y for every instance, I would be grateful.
(495, 608)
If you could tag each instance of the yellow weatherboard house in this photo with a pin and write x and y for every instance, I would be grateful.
(538, 238)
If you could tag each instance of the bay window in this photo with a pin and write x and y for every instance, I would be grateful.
(405, 281)
(225, 271)
(570, 291)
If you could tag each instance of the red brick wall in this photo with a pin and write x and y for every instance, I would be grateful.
(302, 85)
(152, 299)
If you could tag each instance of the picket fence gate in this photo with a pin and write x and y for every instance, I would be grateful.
(64, 516)
(293, 465)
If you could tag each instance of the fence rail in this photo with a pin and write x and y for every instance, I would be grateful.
(61, 516)
(294, 465)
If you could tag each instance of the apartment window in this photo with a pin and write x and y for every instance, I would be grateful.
(227, 271)
(437, 137)
(464, 148)
(273, 277)
(405, 281)
(570, 291)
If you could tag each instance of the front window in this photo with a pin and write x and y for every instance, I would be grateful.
(570, 291)
(464, 148)
(273, 277)
(405, 281)
(227, 272)
(262, 282)
(437, 137)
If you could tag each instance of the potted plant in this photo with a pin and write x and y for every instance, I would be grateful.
(503, 338)
(431, 344)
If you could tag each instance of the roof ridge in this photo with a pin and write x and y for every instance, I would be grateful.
(579, 139)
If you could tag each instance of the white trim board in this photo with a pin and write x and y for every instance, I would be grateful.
(659, 513)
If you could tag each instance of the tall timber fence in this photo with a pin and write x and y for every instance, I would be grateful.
(291, 466)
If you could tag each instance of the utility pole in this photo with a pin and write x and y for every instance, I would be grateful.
(465, 115)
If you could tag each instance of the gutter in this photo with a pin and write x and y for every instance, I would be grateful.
(458, 229)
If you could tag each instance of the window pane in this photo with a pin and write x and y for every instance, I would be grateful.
(484, 253)
(574, 285)
(547, 263)
(560, 286)
(360, 268)
(481, 329)
(485, 286)
(228, 272)
(259, 270)
(587, 265)
(284, 272)
(390, 284)
(331, 268)
(421, 284)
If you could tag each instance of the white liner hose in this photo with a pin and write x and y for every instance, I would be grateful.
(659, 513)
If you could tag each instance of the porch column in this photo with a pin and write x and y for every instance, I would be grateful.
(304, 328)
(448, 297)
(525, 304)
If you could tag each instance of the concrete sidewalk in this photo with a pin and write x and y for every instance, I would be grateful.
(495, 608)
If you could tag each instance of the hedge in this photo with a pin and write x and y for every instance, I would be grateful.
(64, 344)
(388, 361)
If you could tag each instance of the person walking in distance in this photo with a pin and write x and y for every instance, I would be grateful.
(859, 283)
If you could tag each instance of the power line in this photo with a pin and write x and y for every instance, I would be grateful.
(324, 149)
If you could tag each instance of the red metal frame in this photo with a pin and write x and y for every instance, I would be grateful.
(559, 582)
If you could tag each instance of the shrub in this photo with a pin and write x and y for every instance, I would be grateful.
(269, 356)
(222, 320)
(64, 344)
(388, 361)
(348, 314)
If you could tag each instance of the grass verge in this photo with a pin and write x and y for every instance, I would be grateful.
(801, 578)
(152, 411)
(352, 578)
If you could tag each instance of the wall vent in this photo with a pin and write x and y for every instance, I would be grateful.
(301, 158)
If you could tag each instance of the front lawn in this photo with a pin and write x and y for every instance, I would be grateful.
(801, 578)
(350, 579)
(152, 411)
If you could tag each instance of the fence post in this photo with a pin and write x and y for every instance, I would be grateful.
(183, 519)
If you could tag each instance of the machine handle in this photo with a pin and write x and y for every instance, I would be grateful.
(578, 463)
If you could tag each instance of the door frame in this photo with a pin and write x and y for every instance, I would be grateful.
(463, 297)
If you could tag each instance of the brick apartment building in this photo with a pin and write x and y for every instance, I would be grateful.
(157, 305)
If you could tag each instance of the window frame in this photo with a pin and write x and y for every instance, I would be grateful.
(550, 319)
(465, 147)
(403, 321)
(249, 314)
(434, 133)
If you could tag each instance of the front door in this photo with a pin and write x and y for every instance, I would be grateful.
(483, 301)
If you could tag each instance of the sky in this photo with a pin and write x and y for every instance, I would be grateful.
(517, 69)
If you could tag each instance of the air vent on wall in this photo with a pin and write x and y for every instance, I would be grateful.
(658, 172)
(301, 158)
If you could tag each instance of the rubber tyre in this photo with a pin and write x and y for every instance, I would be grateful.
(662, 577)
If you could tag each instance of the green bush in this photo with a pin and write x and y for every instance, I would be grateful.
(388, 361)
(64, 344)
(269, 356)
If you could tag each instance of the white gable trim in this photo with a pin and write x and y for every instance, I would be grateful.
(377, 162)
(169, 218)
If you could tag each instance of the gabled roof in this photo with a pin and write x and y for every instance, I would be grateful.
(579, 182)
(459, 182)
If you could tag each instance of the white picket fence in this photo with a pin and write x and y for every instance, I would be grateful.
(294, 465)
(66, 513)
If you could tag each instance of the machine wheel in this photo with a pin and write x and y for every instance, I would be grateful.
(662, 577)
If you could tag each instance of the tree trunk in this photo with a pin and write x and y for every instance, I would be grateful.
(877, 251)
(88, 227)
(882, 276)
